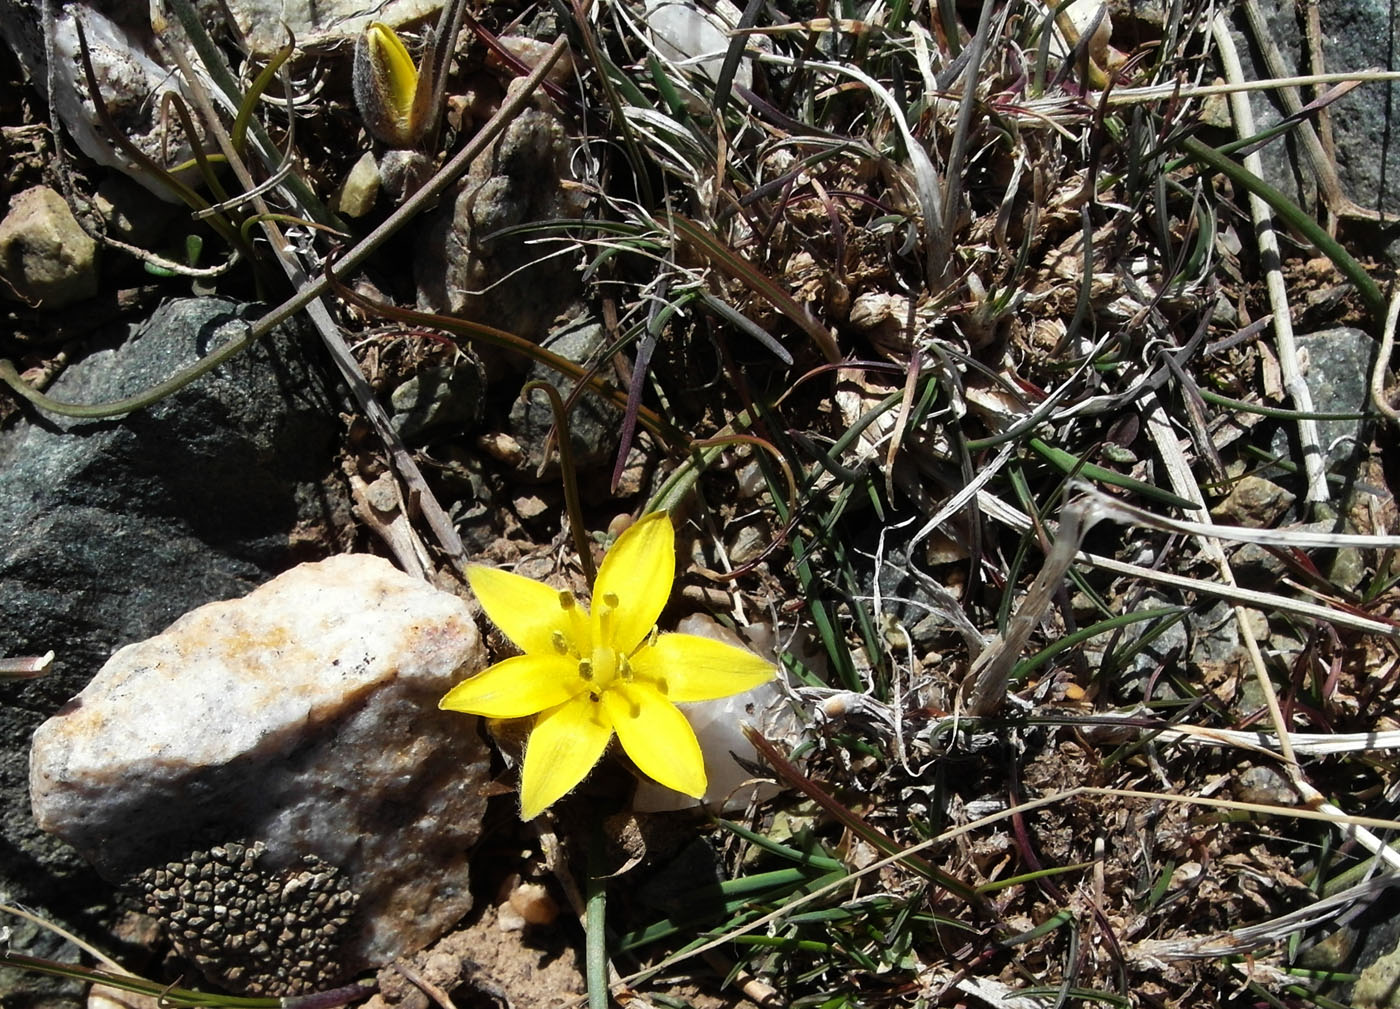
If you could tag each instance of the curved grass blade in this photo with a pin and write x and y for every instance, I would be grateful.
(1295, 218)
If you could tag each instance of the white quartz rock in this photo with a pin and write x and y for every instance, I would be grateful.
(131, 84)
(718, 725)
(694, 38)
(299, 723)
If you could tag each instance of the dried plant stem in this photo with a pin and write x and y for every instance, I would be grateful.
(1241, 940)
(1269, 259)
(1184, 483)
(25, 667)
(1378, 396)
(1157, 92)
(1314, 744)
(984, 688)
(1266, 601)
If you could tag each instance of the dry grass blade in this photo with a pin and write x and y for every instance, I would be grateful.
(984, 688)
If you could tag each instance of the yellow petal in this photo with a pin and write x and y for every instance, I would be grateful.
(657, 737)
(565, 744)
(528, 612)
(524, 685)
(638, 571)
(690, 668)
(400, 75)
(385, 82)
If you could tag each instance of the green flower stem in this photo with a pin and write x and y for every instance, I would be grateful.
(239, 132)
(595, 955)
(1069, 463)
(1027, 666)
(1279, 413)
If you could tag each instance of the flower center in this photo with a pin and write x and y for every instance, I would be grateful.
(602, 667)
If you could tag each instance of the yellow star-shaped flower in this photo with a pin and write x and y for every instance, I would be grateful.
(585, 676)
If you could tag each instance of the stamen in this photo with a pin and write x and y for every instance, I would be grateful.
(603, 611)
(624, 668)
(559, 642)
(585, 668)
(647, 642)
(595, 698)
(566, 599)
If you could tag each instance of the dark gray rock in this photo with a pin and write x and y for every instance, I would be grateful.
(111, 529)
(443, 397)
(594, 426)
(1357, 36)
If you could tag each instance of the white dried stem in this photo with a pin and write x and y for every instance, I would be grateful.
(1184, 483)
(1378, 396)
(1266, 601)
(1270, 261)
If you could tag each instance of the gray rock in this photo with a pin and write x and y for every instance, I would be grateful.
(1338, 372)
(439, 397)
(593, 425)
(297, 729)
(1356, 34)
(506, 282)
(1264, 785)
(111, 529)
(1167, 648)
(46, 258)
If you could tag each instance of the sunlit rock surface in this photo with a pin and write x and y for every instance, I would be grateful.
(301, 718)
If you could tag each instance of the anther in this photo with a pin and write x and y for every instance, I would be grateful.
(610, 600)
(559, 642)
(585, 669)
(566, 599)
